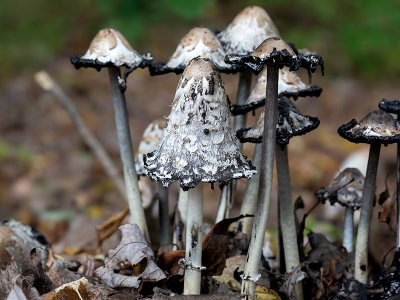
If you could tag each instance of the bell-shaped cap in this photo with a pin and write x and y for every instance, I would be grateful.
(392, 107)
(110, 48)
(199, 144)
(152, 137)
(275, 51)
(346, 189)
(376, 127)
(289, 85)
(198, 42)
(247, 30)
(290, 123)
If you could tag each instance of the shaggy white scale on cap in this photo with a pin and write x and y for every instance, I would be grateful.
(348, 187)
(199, 144)
(151, 140)
(198, 42)
(110, 46)
(377, 123)
(248, 30)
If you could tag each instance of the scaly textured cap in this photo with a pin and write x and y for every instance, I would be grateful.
(289, 85)
(275, 51)
(198, 42)
(346, 188)
(247, 30)
(199, 144)
(152, 137)
(110, 48)
(376, 127)
(290, 123)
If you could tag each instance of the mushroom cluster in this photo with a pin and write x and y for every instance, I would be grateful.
(202, 138)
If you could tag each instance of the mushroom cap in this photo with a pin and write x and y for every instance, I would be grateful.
(152, 137)
(275, 51)
(376, 127)
(198, 42)
(289, 85)
(199, 144)
(290, 123)
(110, 48)
(346, 188)
(247, 30)
(392, 107)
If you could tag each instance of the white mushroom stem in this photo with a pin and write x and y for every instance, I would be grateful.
(194, 237)
(223, 206)
(165, 226)
(126, 151)
(348, 232)
(239, 121)
(249, 202)
(265, 188)
(286, 215)
(361, 254)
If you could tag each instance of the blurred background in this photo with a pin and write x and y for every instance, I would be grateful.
(50, 179)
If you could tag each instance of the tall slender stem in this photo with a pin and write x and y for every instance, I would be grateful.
(126, 151)
(265, 188)
(194, 237)
(249, 202)
(361, 255)
(286, 213)
(348, 232)
(239, 121)
(165, 226)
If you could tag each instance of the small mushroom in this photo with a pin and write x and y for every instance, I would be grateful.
(198, 42)
(247, 30)
(376, 128)
(394, 108)
(110, 49)
(289, 85)
(199, 145)
(346, 189)
(151, 140)
(276, 54)
(290, 123)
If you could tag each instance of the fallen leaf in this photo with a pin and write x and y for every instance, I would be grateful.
(110, 226)
(72, 290)
(168, 261)
(263, 293)
(132, 254)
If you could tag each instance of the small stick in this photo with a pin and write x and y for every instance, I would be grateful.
(48, 84)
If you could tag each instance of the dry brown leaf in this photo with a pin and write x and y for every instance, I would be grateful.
(72, 290)
(110, 226)
(131, 262)
(168, 261)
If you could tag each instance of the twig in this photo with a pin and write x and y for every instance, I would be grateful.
(49, 85)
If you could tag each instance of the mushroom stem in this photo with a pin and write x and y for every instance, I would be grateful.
(126, 151)
(348, 232)
(249, 202)
(228, 190)
(286, 214)
(361, 254)
(223, 206)
(165, 227)
(194, 237)
(264, 194)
